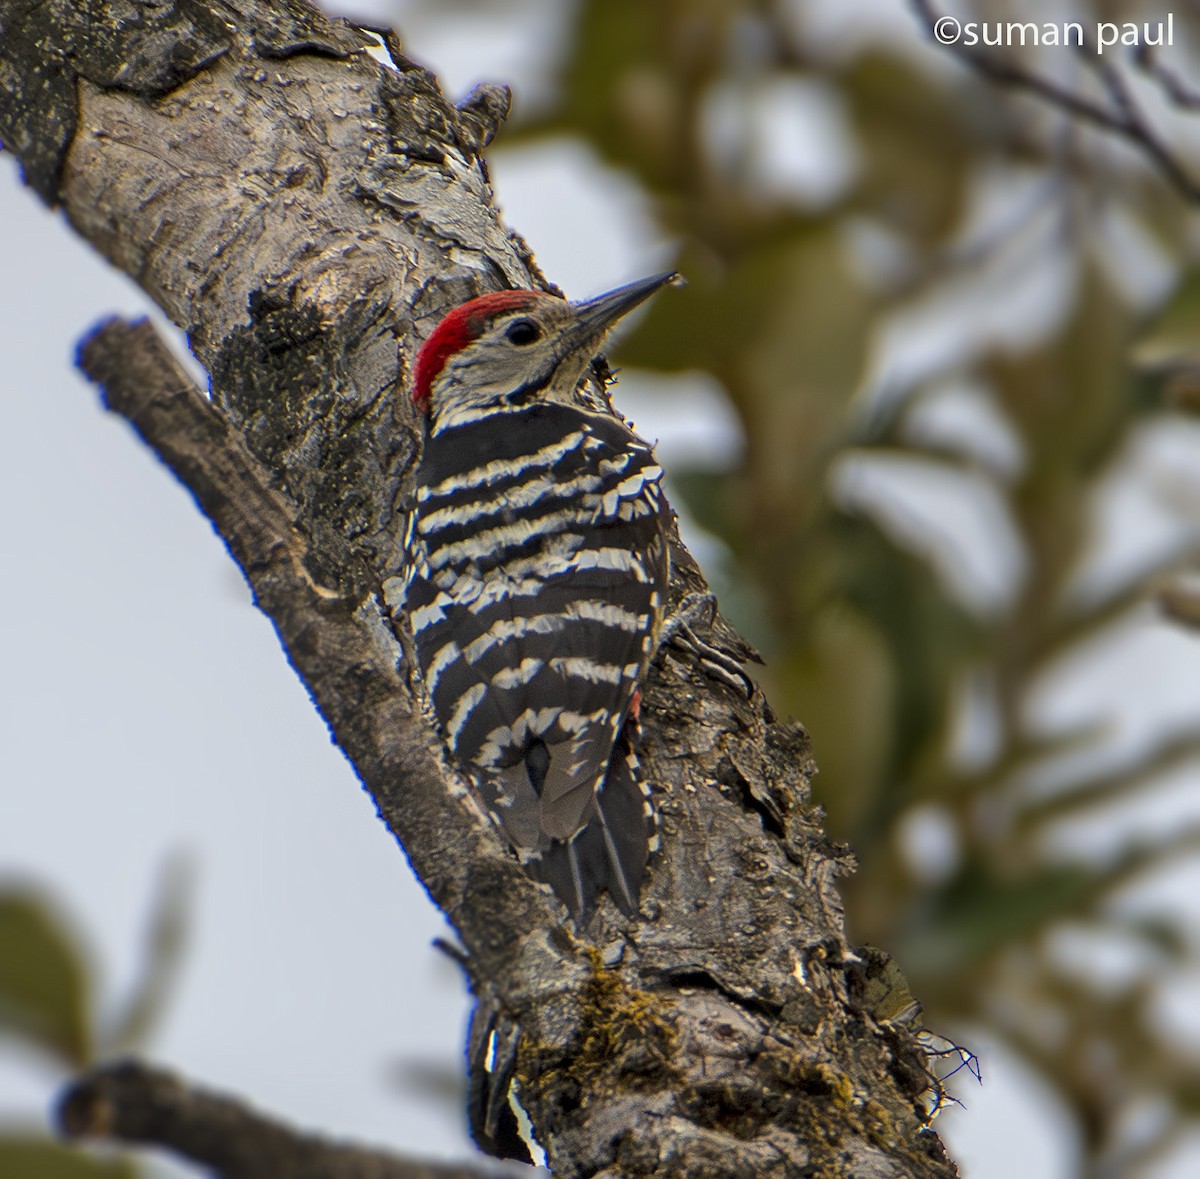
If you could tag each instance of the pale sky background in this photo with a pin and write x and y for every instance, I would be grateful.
(148, 709)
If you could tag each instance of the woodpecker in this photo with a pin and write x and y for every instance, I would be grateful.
(533, 581)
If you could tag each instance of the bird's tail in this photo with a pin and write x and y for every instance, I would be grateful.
(612, 850)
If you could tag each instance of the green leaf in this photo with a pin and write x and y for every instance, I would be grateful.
(977, 915)
(632, 84)
(1173, 338)
(930, 638)
(166, 941)
(1161, 934)
(1073, 399)
(1074, 402)
(29, 1157)
(783, 322)
(43, 979)
(841, 681)
(918, 150)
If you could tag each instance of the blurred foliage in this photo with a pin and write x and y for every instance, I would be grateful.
(955, 192)
(31, 1157)
(49, 1004)
(43, 982)
(841, 319)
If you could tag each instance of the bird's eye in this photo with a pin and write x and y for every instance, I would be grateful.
(522, 332)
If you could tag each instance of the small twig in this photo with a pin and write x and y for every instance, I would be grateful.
(973, 255)
(1125, 120)
(132, 1102)
(1141, 132)
(1009, 74)
(1171, 84)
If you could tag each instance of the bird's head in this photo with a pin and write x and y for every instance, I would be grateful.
(511, 348)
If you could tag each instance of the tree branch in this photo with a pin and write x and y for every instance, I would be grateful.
(1123, 118)
(1173, 86)
(307, 213)
(129, 1102)
(339, 646)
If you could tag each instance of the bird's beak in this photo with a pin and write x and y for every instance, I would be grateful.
(594, 317)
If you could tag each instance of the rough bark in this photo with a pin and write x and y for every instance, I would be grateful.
(306, 214)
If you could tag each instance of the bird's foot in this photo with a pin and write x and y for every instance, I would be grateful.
(700, 609)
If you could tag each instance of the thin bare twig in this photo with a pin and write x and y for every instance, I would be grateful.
(1140, 131)
(1171, 84)
(1124, 118)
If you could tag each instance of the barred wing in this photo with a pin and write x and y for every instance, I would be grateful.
(535, 581)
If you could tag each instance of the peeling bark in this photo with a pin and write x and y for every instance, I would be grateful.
(306, 214)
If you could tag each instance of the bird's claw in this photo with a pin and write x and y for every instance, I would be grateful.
(700, 609)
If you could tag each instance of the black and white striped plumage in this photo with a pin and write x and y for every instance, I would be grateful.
(534, 579)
